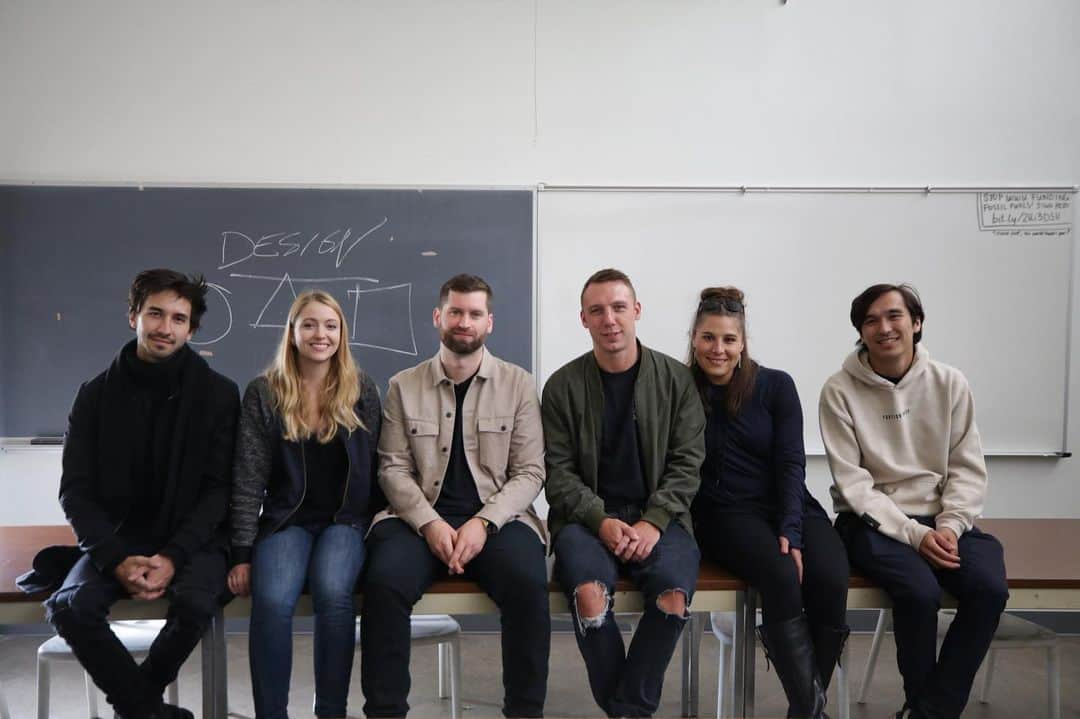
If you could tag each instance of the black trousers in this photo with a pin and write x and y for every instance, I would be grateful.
(747, 545)
(79, 611)
(400, 567)
(937, 686)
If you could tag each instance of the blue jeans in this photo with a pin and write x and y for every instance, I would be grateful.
(627, 683)
(328, 560)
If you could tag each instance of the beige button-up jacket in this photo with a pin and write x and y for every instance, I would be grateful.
(502, 432)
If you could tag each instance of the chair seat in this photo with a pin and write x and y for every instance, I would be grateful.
(431, 626)
(136, 636)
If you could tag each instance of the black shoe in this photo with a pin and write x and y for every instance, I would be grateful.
(828, 648)
(789, 647)
(165, 711)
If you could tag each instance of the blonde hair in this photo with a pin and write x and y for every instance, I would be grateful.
(339, 394)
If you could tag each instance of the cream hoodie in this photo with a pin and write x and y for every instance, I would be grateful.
(903, 450)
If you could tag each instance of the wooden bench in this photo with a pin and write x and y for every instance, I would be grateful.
(1040, 556)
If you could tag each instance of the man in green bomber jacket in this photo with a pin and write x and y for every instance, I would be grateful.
(624, 442)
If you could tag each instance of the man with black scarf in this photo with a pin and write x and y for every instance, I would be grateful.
(146, 477)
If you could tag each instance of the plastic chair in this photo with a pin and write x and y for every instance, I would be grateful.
(5, 710)
(723, 628)
(445, 632)
(136, 636)
(1012, 633)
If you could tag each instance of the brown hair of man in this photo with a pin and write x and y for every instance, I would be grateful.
(192, 288)
(608, 275)
(465, 283)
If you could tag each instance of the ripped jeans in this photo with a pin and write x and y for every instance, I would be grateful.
(627, 683)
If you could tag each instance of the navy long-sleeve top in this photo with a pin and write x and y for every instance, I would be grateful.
(755, 461)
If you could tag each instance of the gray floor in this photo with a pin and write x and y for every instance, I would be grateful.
(1019, 686)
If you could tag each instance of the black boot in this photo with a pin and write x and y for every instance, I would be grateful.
(828, 647)
(789, 647)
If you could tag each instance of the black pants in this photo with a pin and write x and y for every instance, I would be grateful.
(79, 611)
(937, 686)
(400, 568)
(747, 545)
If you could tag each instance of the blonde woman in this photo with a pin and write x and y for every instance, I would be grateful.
(306, 457)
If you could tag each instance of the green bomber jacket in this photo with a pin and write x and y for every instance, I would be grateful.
(671, 437)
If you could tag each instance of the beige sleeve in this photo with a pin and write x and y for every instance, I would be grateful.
(964, 491)
(854, 483)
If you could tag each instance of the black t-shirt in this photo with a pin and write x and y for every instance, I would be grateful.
(620, 481)
(325, 467)
(458, 497)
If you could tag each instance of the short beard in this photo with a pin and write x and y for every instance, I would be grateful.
(460, 345)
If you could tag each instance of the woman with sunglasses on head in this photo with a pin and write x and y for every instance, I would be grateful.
(306, 457)
(753, 514)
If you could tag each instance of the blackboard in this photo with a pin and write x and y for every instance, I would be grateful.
(68, 254)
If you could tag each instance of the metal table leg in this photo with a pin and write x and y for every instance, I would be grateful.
(691, 664)
(214, 674)
(744, 647)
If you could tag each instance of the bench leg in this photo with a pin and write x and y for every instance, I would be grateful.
(691, 664)
(743, 652)
(214, 677)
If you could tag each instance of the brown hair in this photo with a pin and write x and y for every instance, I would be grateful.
(608, 275)
(724, 302)
(190, 287)
(861, 305)
(464, 283)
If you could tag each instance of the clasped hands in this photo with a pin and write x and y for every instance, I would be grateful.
(145, 577)
(455, 547)
(941, 549)
(629, 542)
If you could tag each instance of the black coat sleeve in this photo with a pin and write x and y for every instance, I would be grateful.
(94, 528)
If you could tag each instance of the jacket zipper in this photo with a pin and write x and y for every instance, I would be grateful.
(303, 493)
(348, 476)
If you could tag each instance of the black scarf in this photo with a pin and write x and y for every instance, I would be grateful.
(184, 378)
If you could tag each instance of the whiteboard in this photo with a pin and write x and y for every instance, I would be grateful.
(993, 270)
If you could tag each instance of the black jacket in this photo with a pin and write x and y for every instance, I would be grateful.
(270, 477)
(96, 490)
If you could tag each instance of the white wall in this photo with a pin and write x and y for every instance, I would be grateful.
(821, 92)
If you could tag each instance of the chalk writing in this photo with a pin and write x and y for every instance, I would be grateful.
(1023, 210)
(238, 247)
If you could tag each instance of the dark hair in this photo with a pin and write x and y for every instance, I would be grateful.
(861, 305)
(608, 275)
(190, 287)
(724, 302)
(465, 283)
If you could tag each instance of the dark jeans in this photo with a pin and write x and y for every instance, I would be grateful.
(328, 560)
(747, 546)
(627, 683)
(400, 568)
(936, 686)
(79, 611)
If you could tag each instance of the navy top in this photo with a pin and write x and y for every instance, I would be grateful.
(325, 470)
(755, 461)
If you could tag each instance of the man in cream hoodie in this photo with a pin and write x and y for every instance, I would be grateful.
(909, 481)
